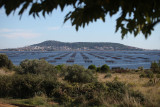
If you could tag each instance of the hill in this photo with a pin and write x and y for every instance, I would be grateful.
(52, 45)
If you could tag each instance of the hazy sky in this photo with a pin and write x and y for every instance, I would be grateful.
(27, 31)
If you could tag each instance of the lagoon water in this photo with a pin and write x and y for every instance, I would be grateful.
(125, 59)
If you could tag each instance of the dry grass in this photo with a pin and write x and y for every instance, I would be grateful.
(5, 71)
(151, 92)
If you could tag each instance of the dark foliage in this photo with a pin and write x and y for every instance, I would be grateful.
(105, 68)
(147, 74)
(79, 74)
(5, 62)
(116, 89)
(26, 86)
(83, 89)
(136, 15)
(36, 66)
(5, 86)
(155, 67)
(139, 97)
(92, 67)
(81, 95)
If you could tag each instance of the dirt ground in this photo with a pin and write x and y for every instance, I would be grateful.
(6, 105)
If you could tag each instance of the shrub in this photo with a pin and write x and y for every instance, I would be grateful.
(116, 89)
(59, 67)
(108, 75)
(141, 68)
(147, 74)
(5, 62)
(143, 75)
(26, 86)
(79, 100)
(95, 102)
(18, 69)
(153, 82)
(79, 74)
(48, 84)
(5, 86)
(36, 66)
(98, 69)
(92, 67)
(158, 75)
(155, 67)
(60, 95)
(105, 68)
(138, 96)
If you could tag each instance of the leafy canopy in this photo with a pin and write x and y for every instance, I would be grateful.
(136, 15)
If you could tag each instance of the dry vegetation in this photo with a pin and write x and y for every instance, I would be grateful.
(38, 83)
(150, 91)
(5, 71)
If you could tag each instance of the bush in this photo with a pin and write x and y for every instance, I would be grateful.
(138, 96)
(116, 90)
(141, 68)
(92, 67)
(36, 66)
(5, 62)
(147, 74)
(5, 86)
(155, 67)
(105, 68)
(78, 74)
(26, 86)
(98, 69)
(108, 75)
(158, 75)
(143, 75)
(59, 67)
(95, 102)
(18, 69)
(79, 100)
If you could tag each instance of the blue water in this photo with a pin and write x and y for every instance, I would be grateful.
(125, 59)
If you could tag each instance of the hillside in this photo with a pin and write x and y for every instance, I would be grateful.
(52, 45)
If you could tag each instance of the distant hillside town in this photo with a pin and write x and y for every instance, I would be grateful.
(52, 45)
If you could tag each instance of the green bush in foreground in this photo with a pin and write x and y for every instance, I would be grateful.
(78, 74)
(5, 62)
(36, 66)
(66, 94)
(26, 86)
(116, 89)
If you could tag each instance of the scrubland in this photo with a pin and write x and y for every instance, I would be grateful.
(38, 83)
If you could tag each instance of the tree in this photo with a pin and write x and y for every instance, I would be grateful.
(136, 15)
(79, 74)
(105, 68)
(36, 66)
(92, 67)
(5, 62)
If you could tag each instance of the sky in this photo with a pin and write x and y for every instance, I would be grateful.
(16, 32)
